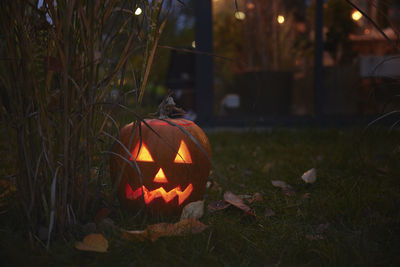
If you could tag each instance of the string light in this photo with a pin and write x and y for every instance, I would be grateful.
(138, 11)
(356, 15)
(280, 19)
(240, 15)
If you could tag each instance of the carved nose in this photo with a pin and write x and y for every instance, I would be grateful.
(160, 177)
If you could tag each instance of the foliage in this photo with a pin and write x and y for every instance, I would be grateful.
(257, 42)
(59, 62)
(339, 24)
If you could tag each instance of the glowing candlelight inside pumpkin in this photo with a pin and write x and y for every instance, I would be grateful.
(160, 177)
(174, 166)
(149, 196)
(183, 155)
(144, 154)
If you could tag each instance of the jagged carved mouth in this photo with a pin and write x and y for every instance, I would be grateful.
(149, 196)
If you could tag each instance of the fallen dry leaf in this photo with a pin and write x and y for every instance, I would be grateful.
(193, 210)
(236, 201)
(217, 205)
(189, 226)
(257, 197)
(310, 176)
(289, 191)
(155, 231)
(135, 235)
(244, 196)
(286, 188)
(280, 184)
(93, 242)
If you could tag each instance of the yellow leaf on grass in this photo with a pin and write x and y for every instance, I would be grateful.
(155, 231)
(93, 242)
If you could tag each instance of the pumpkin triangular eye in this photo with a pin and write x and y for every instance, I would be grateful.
(160, 177)
(144, 154)
(183, 155)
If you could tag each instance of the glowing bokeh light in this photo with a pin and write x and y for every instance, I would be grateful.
(138, 11)
(280, 19)
(240, 15)
(356, 15)
(250, 6)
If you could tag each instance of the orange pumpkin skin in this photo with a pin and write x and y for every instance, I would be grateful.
(181, 176)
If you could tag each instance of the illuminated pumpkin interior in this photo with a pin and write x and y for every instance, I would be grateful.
(149, 196)
(160, 177)
(144, 154)
(183, 155)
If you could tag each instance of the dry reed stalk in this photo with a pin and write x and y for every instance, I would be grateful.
(57, 67)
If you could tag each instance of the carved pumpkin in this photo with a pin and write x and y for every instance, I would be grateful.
(174, 168)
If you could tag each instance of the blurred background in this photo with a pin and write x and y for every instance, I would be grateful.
(262, 60)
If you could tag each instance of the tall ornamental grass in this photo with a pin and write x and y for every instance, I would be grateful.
(59, 60)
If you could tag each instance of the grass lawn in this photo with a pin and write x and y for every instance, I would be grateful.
(349, 216)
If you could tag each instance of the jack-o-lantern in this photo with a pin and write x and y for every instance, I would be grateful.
(174, 168)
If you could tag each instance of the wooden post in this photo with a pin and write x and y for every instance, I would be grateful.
(318, 60)
(204, 63)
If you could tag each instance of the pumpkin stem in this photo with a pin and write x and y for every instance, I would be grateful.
(168, 108)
